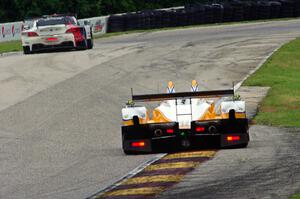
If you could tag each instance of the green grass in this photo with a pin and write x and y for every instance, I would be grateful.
(281, 72)
(10, 46)
(296, 196)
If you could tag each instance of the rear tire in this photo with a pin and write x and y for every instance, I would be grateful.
(90, 43)
(26, 50)
(243, 145)
(135, 152)
(128, 152)
(82, 45)
(240, 146)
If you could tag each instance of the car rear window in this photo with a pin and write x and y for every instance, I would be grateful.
(56, 21)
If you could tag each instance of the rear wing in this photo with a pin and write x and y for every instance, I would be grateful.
(171, 96)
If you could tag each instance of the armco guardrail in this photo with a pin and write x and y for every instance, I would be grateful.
(12, 31)
(194, 14)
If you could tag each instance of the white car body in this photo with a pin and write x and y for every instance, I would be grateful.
(186, 110)
(184, 120)
(43, 36)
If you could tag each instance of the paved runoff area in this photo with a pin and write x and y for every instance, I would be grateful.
(60, 115)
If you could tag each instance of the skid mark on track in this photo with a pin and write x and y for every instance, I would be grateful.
(158, 177)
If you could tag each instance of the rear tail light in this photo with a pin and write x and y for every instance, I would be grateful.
(170, 131)
(138, 144)
(200, 129)
(76, 31)
(32, 34)
(71, 30)
(233, 138)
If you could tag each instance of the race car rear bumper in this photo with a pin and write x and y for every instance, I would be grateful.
(43, 47)
(144, 138)
(49, 42)
(173, 143)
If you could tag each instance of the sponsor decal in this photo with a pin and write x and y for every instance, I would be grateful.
(6, 31)
(98, 26)
(10, 31)
(13, 30)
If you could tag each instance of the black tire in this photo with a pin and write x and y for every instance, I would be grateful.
(26, 50)
(240, 146)
(243, 145)
(117, 23)
(90, 43)
(128, 152)
(135, 152)
(83, 45)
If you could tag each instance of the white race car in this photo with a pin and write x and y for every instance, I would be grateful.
(56, 32)
(185, 120)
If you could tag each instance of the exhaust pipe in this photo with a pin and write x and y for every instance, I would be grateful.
(212, 129)
(158, 132)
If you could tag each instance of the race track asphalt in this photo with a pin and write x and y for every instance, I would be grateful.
(60, 112)
(269, 168)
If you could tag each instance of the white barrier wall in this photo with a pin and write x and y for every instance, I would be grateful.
(98, 24)
(12, 31)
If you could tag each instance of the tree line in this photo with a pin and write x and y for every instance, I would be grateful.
(18, 10)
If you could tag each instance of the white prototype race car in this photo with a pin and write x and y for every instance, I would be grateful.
(56, 32)
(185, 120)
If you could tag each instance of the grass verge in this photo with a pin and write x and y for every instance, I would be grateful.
(281, 72)
(296, 196)
(10, 46)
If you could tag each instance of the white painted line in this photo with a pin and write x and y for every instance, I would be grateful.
(127, 176)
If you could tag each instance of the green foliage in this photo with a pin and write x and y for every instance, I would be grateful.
(236, 97)
(15, 10)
